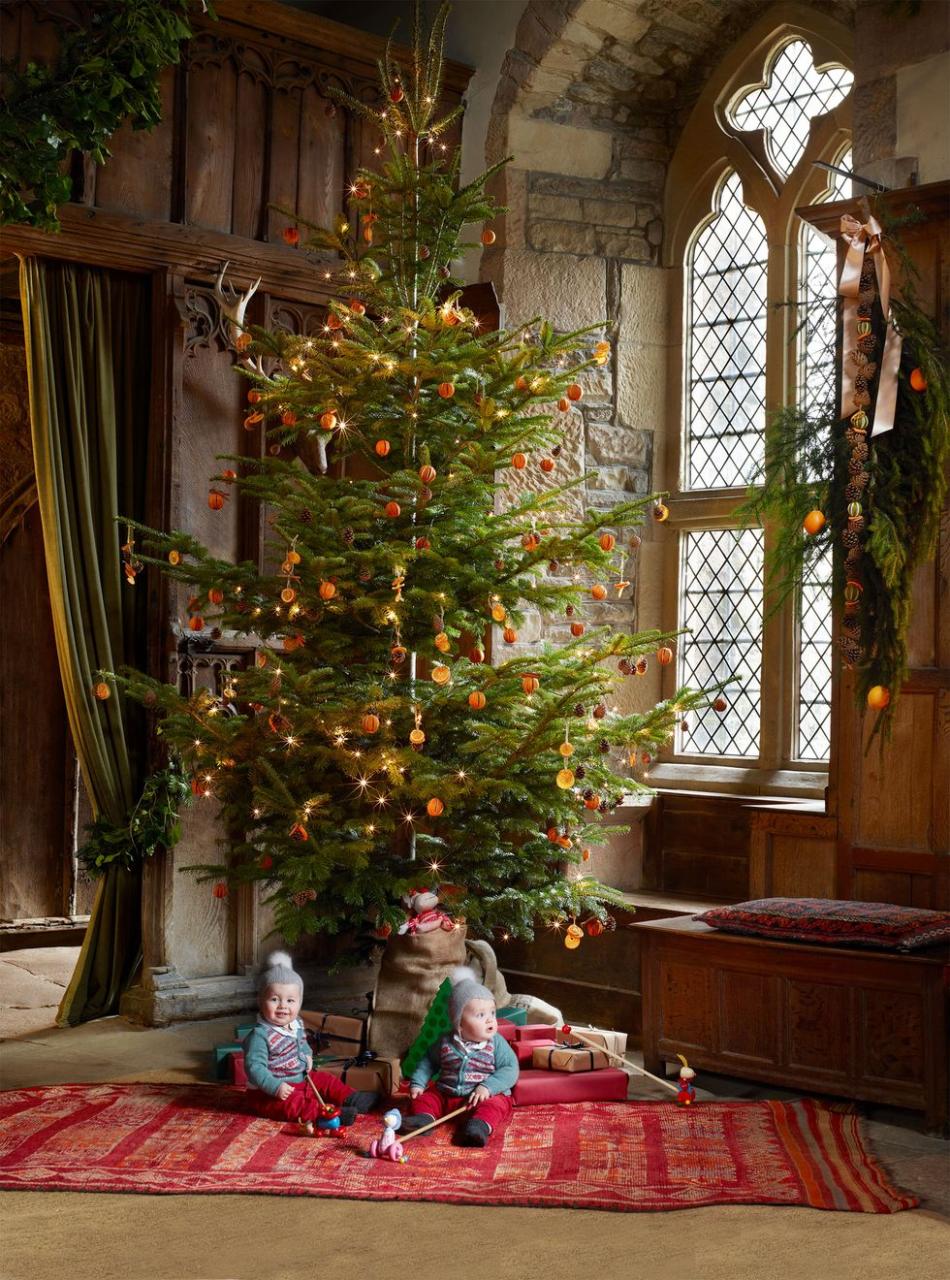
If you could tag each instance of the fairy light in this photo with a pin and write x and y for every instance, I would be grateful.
(435, 867)
(461, 775)
(255, 813)
(370, 829)
(291, 741)
(197, 742)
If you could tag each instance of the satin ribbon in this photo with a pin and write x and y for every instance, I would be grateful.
(862, 238)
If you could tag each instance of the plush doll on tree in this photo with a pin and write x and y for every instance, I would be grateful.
(371, 745)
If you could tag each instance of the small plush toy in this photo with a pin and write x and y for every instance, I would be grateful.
(387, 1146)
(427, 915)
(686, 1094)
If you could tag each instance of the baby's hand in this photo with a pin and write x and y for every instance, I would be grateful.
(415, 1091)
(478, 1094)
(284, 1091)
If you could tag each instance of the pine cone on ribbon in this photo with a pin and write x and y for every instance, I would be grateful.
(860, 451)
(852, 492)
(850, 538)
(853, 556)
(850, 650)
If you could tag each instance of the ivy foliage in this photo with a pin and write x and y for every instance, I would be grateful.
(105, 72)
(153, 824)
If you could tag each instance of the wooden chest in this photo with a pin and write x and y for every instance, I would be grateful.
(860, 1024)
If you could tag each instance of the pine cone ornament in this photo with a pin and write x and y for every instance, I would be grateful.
(850, 650)
(604, 748)
(853, 556)
(580, 773)
(578, 708)
(860, 451)
(349, 537)
(850, 538)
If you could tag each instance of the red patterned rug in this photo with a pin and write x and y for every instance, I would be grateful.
(182, 1139)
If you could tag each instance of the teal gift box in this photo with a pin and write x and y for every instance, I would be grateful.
(221, 1053)
(518, 1016)
(242, 1032)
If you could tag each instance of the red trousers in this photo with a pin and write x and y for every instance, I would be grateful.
(302, 1103)
(494, 1111)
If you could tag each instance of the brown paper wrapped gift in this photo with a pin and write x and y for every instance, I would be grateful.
(338, 1035)
(566, 1058)
(377, 1075)
(595, 1037)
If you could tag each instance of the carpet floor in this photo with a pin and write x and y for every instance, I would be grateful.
(174, 1139)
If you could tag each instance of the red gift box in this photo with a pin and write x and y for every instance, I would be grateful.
(524, 1049)
(609, 1085)
(506, 1029)
(237, 1073)
(535, 1031)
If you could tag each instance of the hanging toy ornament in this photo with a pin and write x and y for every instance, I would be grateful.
(572, 937)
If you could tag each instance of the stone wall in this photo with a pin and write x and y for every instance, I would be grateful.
(902, 93)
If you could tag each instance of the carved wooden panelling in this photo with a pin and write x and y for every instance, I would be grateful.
(685, 1006)
(816, 1027)
(247, 120)
(892, 1039)
(746, 1029)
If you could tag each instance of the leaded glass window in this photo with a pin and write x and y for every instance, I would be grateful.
(794, 93)
(721, 604)
(817, 293)
(726, 321)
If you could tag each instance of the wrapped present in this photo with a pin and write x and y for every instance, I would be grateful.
(334, 1033)
(511, 1013)
(242, 1031)
(543, 1087)
(236, 1073)
(220, 1058)
(594, 1037)
(363, 1071)
(562, 1057)
(524, 1049)
(507, 1030)
(534, 1031)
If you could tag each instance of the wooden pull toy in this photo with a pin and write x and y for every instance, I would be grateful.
(625, 1062)
(388, 1148)
(328, 1122)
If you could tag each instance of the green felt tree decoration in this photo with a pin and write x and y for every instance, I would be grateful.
(436, 1024)
(371, 743)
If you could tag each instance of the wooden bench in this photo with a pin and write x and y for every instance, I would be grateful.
(869, 1025)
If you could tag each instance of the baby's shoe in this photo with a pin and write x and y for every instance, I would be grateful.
(410, 1123)
(475, 1134)
(357, 1104)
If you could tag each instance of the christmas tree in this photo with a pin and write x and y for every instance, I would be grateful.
(372, 747)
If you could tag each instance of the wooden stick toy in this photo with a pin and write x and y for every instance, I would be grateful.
(619, 1058)
(417, 1133)
(320, 1097)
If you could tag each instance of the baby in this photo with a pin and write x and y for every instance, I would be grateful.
(476, 1066)
(277, 1058)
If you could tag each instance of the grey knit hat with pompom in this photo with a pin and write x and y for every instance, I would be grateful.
(278, 968)
(465, 987)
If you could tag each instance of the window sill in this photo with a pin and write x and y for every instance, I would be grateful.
(788, 784)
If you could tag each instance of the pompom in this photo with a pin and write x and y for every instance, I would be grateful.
(278, 960)
(462, 973)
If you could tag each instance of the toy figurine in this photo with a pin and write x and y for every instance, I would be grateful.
(387, 1146)
(328, 1122)
(686, 1094)
(427, 915)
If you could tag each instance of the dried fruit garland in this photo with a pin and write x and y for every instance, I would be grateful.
(867, 476)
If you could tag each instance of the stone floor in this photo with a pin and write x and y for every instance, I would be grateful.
(34, 1051)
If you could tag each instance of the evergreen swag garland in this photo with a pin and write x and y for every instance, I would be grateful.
(152, 824)
(106, 71)
(806, 469)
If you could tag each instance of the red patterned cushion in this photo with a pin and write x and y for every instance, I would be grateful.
(826, 922)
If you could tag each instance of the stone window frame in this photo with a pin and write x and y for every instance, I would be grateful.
(708, 148)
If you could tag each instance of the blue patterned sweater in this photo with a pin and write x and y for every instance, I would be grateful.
(273, 1056)
(462, 1065)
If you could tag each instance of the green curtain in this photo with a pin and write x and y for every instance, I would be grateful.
(87, 354)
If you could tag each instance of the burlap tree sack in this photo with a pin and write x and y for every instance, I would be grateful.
(413, 968)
